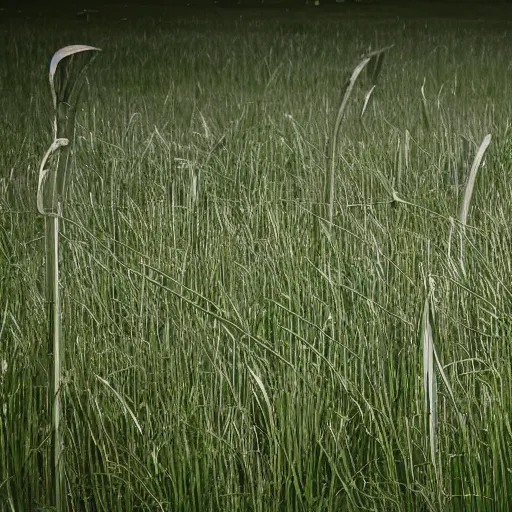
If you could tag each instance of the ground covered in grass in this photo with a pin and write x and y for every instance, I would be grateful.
(227, 349)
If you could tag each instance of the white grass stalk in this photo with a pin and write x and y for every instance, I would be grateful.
(366, 101)
(50, 195)
(424, 105)
(375, 57)
(464, 210)
(431, 367)
(429, 377)
(407, 148)
(122, 401)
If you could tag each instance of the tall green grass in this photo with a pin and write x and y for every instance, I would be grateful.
(218, 358)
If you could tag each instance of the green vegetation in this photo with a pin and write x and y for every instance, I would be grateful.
(227, 348)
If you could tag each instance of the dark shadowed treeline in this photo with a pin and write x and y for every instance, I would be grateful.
(97, 4)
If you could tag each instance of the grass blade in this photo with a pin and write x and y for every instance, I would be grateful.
(51, 187)
(347, 91)
(468, 193)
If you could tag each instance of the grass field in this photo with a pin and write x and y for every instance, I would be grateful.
(225, 349)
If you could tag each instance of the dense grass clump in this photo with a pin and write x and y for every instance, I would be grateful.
(227, 348)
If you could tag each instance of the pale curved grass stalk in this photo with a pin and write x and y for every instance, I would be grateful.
(468, 192)
(429, 377)
(50, 196)
(367, 100)
(424, 106)
(347, 91)
(122, 401)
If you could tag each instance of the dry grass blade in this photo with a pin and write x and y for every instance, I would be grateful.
(471, 179)
(424, 105)
(468, 192)
(66, 83)
(60, 55)
(51, 186)
(374, 68)
(367, 100)
(266, 398)
(43, 173)
(347, 91)
(429, 376)
(122, 401)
